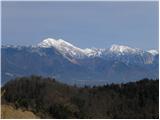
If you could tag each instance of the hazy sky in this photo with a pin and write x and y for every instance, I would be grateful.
(84, 24)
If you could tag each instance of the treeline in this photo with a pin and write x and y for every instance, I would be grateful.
(48, 98)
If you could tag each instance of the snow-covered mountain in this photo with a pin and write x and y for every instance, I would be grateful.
(117, 52)
(73, 65)
(62, 46)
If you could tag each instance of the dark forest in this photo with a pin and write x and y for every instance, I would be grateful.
(48, 98)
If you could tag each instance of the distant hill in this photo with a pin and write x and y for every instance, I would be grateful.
(72, 65)
(47, 98)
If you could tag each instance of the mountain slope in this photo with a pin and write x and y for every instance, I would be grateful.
(73, 65)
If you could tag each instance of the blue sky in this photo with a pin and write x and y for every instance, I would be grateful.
(84, 24)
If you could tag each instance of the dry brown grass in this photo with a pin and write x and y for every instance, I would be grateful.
(8, 112)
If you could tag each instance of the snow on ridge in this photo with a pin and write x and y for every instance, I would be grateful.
(63, 46)
(122, 49)
(153, 52)
(69, 50)
(47, 42)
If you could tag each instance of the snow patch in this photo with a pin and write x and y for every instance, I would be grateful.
(122, 49)
(153, 52)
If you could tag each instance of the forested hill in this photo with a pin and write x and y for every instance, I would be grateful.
(48, 98)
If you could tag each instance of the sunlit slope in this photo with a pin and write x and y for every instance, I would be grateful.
(8, 112)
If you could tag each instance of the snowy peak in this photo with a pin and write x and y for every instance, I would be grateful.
(122, 49)
(153, 52)
(50, 42)
(47, 42)
(62, 46)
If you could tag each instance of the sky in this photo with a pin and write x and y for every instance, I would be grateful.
(84, 24)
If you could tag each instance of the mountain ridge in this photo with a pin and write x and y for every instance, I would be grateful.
(67, 48)
(71, 64)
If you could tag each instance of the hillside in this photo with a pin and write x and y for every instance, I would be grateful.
(47, 98)
(9, 112)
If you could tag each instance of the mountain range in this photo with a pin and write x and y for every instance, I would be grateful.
(73, 65)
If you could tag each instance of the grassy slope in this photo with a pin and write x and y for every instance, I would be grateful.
(8, 112)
